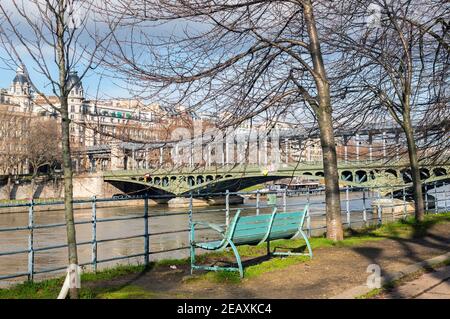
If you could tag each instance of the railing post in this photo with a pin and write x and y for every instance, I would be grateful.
(364, 208)
(308, 217)
(308, 197)
(257, 202)
(393, 206)
(227, 207)
(284, 200)
(405, 213)
(30, 241)
(445, 196)
(347, 206)
(308, 223)
(94, 234)
(191, 232)
(380, 220)
(146, 234)
(436, 200)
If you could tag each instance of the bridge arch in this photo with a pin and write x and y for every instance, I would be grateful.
(392, 172)
(424, 173)
(439, 171)
(361, 176)
(406, 175)
(200, 179)
(191, 180)
(347, 176)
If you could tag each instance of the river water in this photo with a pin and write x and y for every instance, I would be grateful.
(162, 219)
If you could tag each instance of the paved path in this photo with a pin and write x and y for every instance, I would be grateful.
(433, 285)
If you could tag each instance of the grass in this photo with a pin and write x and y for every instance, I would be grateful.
(27, 201)
(50, 288)
(127, 292)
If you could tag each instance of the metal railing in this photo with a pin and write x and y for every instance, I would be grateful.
(366, 214)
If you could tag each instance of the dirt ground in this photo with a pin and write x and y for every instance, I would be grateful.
(332, 271)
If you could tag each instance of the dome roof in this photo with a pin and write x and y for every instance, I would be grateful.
(21, 76)
(74, 79)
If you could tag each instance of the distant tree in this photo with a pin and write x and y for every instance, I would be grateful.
(13, 129)
(42, 146)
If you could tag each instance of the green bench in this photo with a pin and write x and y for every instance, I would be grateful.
(251, 230)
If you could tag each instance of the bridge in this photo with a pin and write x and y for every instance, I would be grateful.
(181, 181)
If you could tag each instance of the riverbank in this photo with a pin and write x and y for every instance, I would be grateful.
(335, 268)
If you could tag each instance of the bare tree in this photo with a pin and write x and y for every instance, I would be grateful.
(396, 56)
(237, 59)
(54, 38)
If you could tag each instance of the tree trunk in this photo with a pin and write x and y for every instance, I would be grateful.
(33, 182)
(8, 185)
(323, 112)
(68, 190)
(419, 211)
(331, 175)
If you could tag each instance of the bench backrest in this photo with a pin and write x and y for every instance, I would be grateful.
(286, 225)
(251, 229)
(259, 228)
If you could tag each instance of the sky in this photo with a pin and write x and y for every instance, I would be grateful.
(93, 81)
(99, 83)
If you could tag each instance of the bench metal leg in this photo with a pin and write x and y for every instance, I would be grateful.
(307, 243)
(238, 258)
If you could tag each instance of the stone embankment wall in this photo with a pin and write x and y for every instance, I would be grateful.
(84, 186)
